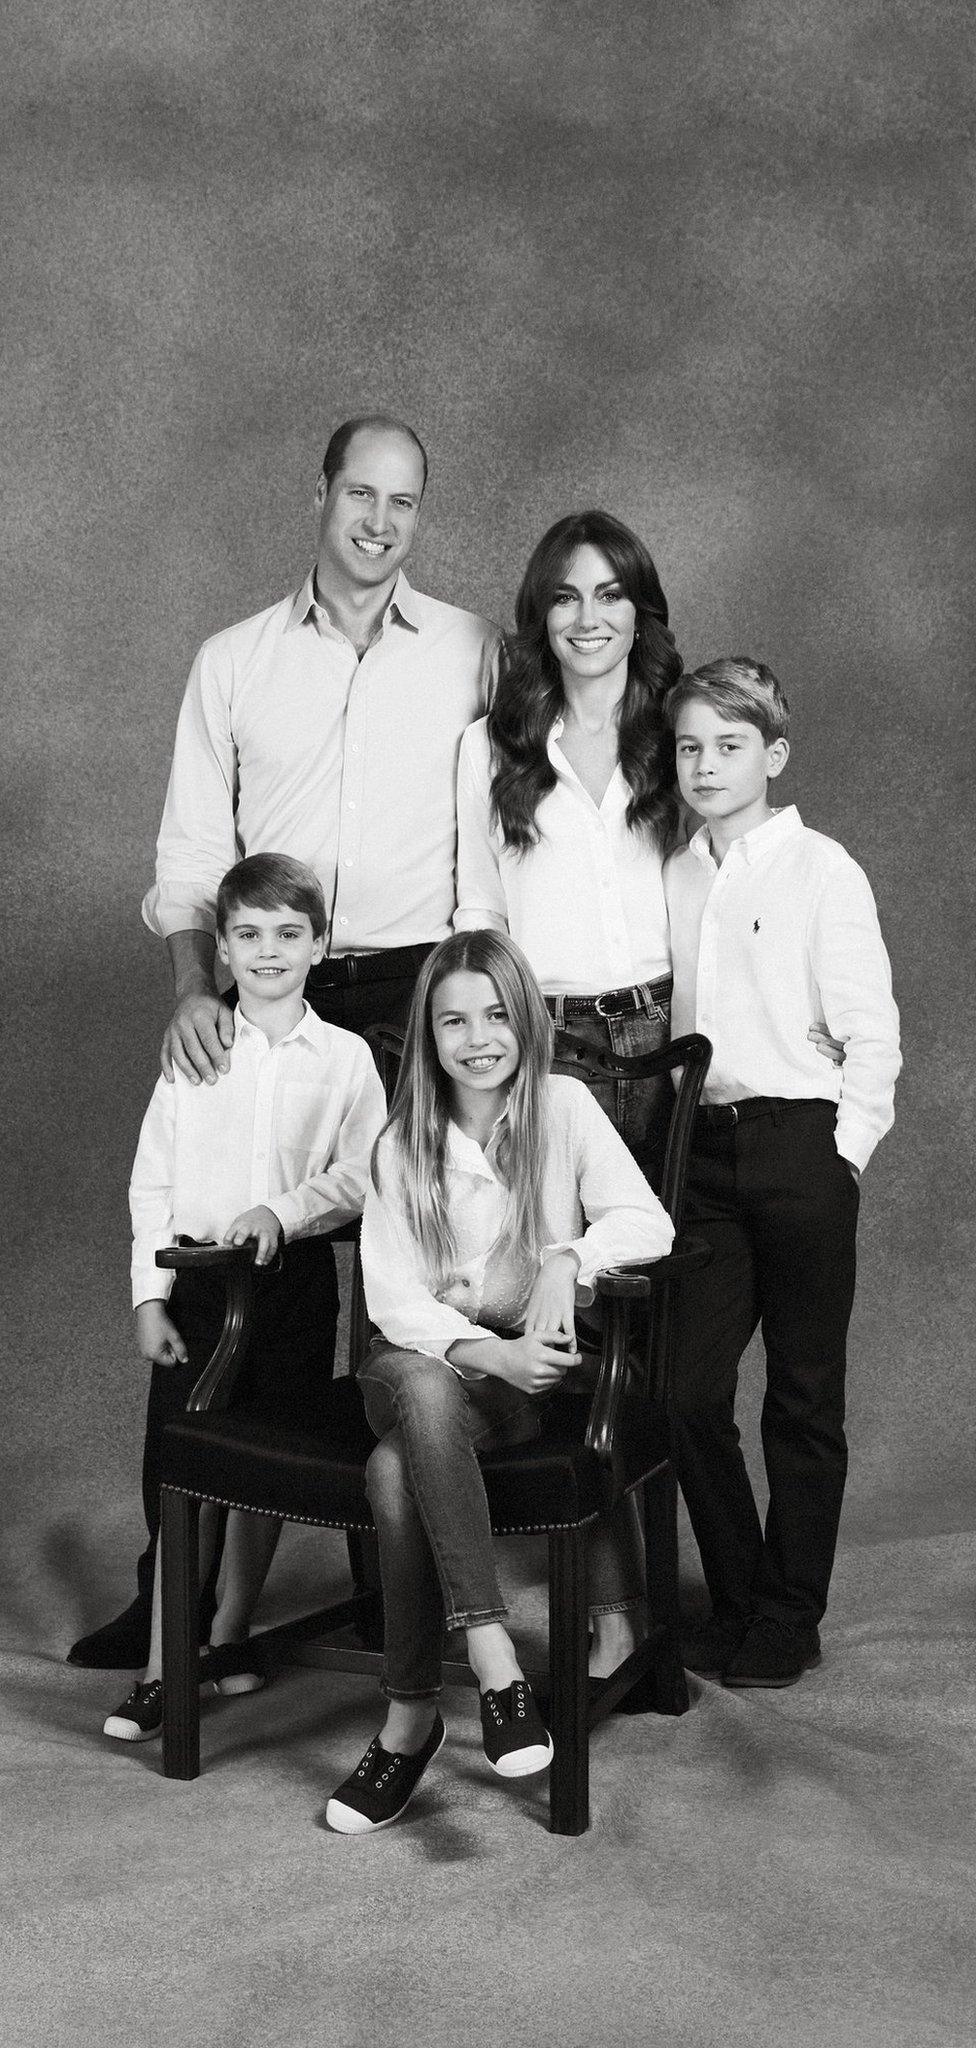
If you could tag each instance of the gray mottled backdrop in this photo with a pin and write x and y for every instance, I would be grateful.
(703, 263)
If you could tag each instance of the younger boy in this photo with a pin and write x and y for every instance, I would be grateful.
(278, 1154)
(773, 928)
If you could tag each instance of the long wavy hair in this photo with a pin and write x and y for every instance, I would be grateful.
(422, 1104)
(529, 697)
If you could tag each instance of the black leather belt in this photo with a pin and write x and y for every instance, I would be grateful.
(394, 963)
(723, 1116)
(614, 1002)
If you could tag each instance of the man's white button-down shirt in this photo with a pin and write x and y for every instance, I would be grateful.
(290, 1127)
(288, 743)
(784, 934)
(586, 903)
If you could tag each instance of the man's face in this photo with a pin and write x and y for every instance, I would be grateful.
(369, 513)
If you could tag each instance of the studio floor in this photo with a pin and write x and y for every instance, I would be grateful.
(772, 1868)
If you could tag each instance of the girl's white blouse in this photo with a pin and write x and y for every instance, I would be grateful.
(596, 1202)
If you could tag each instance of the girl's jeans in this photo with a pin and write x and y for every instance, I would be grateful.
(431, 1512)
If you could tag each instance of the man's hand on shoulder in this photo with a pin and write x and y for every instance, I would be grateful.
(198, 1038)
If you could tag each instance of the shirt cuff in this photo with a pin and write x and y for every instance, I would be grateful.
(585, 1294)
(151, 1283)
(855, 1140)
(164, 917)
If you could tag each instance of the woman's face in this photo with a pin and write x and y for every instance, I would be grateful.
(590, 622)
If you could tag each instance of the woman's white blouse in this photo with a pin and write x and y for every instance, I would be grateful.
(586, 904)
(596, 1203)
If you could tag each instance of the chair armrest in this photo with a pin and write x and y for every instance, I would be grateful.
(621, 1287)
(636, 1279)
(216, 1383)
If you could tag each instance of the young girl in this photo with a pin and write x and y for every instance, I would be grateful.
(498, 1191)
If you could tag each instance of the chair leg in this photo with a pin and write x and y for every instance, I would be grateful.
(179, 1529)
(666, 1685)
(569, 1775)
(364, 1564)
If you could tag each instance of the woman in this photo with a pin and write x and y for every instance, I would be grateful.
(566, 801)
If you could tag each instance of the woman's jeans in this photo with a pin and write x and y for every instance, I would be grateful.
(640, 1110)
(431, 1512)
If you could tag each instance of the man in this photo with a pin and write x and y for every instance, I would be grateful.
(327, 728)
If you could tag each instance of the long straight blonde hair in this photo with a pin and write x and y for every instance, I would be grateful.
(422, 1105)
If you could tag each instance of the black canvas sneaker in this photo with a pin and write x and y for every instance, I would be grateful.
(376, 1792)
(517, 1741)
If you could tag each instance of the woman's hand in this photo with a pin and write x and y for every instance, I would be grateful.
(552, 1302)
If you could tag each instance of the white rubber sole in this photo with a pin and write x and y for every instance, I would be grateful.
(347, 1820)
(242, 1681)
(129, 1731)
(524, 1763)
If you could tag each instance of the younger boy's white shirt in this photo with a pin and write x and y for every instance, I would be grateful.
(290, 1126)
(596, 1203)
(784, 935)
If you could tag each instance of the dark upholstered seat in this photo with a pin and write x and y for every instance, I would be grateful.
(554, 1480)
(592, 1449)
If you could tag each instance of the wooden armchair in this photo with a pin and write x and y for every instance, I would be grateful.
(593, 1448)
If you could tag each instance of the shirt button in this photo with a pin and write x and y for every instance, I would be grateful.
(348, 863)
(350, 807)
(343, 920)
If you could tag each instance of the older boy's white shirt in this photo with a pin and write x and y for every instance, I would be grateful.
(586, 904)
(290, 1126)
(286, 739)
(596, 1203)
(783, 935)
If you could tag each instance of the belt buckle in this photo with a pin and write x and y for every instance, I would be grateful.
(609, 993)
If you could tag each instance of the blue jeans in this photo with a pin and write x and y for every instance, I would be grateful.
(431, 1512)
(640, 1110)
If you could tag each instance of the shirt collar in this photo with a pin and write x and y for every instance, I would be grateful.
(403, 603)
(309, 1027)
(467, 1154)
(755, 845)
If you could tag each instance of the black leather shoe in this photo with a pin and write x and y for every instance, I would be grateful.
(122, 1645)
(772, 1653)
(710, 1648)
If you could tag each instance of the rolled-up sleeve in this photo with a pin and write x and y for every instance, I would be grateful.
(480, 892)
(197, 840)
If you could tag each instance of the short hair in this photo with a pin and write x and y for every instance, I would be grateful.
(740, 688)
(265, 881)
(338, 447)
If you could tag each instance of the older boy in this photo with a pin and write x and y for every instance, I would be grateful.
(773, 927)
(279, 1153)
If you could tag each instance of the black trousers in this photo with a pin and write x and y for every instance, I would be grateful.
(354, 1006)
(778, 1206)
